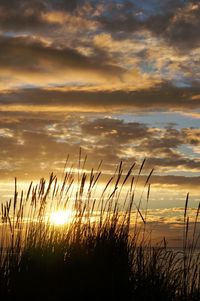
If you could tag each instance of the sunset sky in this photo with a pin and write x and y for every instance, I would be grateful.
(121, 79)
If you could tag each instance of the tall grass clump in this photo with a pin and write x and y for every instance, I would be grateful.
(102, 252)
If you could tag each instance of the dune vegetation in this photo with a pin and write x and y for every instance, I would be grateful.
(75, 239)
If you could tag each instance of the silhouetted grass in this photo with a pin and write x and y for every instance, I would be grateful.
(104, 252)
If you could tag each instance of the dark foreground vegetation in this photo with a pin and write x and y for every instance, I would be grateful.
(104, 252)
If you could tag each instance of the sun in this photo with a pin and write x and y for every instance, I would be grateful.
(61, 217)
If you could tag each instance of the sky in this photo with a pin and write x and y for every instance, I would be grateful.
(120, 79)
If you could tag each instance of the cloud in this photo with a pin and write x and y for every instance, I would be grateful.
(26, 61)
(162, 98)
(27, 55)
(115, 130)
(184, 182)
(48, 137)
(178, 26)
(79, 43)
(119, 17)
(192, 136)
(183, 30)
(21, 14)
(176, 22)
(98, 58)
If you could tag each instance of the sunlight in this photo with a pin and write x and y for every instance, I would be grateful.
(61, 217)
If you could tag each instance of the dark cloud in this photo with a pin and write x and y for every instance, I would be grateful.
(22, 14)
(120, 17)
(69, 5)
(180, 28)
(163, 97)
(177, 22)
(160, 145)
(185, 182)
(27, 55)
(13, 4)
(115, 130)
(39, 6)
(25, 15)
(49, 137)
(178, 161)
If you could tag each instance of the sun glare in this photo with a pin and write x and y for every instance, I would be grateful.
(60, 218)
